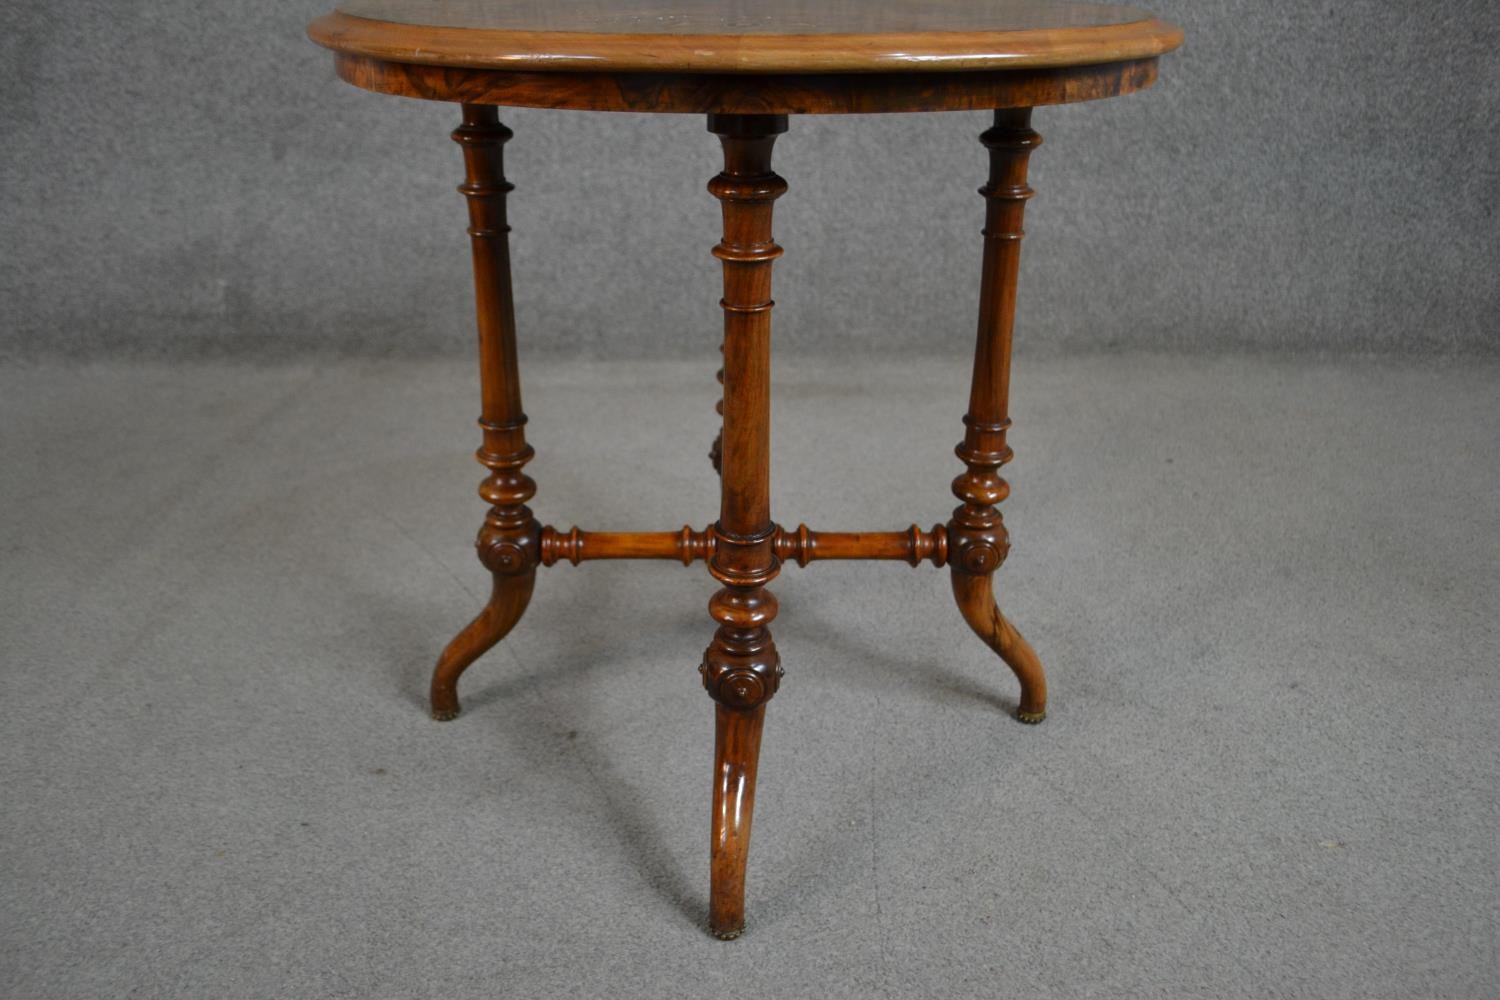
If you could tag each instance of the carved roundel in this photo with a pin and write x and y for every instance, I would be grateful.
(981, 559)
(504, 556)
(740, 686)
(981, 554)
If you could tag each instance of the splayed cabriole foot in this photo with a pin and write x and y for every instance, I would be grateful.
(737, 734)
(509, 597)
(977, 603)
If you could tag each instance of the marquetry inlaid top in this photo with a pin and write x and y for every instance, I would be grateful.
(744, 36)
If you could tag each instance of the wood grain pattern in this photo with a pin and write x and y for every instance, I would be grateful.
(976, 602)
(741, 668)
(747, 66)
(977, 540)
(508, 539)
(802, 545)
(737, 734)
(510, 593)
(726, 36)
(790, 94)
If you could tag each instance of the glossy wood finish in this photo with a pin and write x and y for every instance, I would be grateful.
(792, 93)
(977, 539)
(510, 593)
(747, 66)
(976, 601)
(802, 546)
(730, 36)
(727, 57)
(741, 669)
(508, 539)
(737, 734)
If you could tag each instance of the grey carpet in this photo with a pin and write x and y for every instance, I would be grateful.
(1265, 591)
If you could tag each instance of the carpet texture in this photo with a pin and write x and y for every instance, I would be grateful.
(1264, 590)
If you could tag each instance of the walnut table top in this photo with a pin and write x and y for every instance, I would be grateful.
(674, 55)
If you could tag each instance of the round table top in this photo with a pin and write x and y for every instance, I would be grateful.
(744, 36)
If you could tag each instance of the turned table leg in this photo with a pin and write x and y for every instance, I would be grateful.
(508, 539)
(741, 669)
(977, 541)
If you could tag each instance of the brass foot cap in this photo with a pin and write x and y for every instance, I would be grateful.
(445, 714)
(1030, 718)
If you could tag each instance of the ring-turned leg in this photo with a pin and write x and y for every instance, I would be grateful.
(509, 538)
(977, 540)
(741, 669)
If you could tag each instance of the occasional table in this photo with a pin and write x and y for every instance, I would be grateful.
(747, 67)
